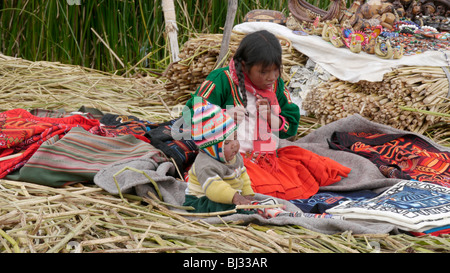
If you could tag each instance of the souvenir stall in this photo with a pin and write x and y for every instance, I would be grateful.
(389, 61)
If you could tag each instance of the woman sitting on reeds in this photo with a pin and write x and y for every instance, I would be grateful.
(252, 92)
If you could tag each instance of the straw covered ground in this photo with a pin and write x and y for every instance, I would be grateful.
(84, 218)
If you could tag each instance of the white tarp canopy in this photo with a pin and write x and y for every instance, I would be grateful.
(341, 62)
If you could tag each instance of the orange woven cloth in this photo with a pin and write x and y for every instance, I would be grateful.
(293, 173)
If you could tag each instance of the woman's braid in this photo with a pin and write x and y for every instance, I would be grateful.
(241, 78)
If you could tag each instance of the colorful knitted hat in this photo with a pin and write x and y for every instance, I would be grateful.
(210, 127)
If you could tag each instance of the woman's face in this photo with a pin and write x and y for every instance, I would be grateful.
(263, 77)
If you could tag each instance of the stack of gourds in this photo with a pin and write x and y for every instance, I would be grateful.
(409, 98)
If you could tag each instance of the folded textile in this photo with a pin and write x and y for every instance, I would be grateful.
(120, 125)
(21, 134)
(183, 151)
(433, 231)
(364, 175)
(79, 155)
(117, 120)
(411, 205)
(271, 212)
(159, 135)
(320, 202)
(404, 156)
(138, 174)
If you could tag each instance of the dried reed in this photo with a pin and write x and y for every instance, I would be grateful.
(50, 85)
(83, 218)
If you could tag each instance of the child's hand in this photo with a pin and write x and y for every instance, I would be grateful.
(240, 200)
(250, 197)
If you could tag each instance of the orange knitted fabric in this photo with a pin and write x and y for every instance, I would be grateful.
(294, 173)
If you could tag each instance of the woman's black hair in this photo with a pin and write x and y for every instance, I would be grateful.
(260, 47)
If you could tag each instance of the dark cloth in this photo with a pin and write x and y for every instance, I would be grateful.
(120, 125)
(205, 205)
(183, 151)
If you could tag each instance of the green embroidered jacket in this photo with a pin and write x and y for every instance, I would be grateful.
(219, 89)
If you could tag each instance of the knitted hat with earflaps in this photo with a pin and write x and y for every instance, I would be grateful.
(210, 127)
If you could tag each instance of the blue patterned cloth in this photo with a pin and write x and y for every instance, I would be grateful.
(322, 201)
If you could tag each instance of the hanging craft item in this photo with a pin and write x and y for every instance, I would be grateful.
(306, 12)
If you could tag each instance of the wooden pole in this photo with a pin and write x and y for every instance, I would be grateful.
(229, 22)
(171, 28)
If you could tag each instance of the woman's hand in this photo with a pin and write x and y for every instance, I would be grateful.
(265, 112)
(237, 113)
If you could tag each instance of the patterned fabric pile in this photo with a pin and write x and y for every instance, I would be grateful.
(55, 148)
(404, 156)
(418, 201)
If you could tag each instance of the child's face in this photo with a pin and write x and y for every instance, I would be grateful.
(231, 147)
(263, 77)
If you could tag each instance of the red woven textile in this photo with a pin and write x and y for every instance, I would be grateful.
(294, 173)
(404, 156)
(21, 134)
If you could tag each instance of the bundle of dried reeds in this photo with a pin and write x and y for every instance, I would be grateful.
(50, 85)
(409, 98)
(199, 57)
(83, 218)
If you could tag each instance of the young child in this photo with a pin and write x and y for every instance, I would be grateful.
(254, 95)
(218, 179)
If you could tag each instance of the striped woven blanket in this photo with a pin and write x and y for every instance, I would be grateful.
(79, 155)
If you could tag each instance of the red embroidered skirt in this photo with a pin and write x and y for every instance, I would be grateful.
(293, 173)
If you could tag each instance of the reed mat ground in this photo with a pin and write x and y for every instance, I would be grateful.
(80, 218)
(85, 218)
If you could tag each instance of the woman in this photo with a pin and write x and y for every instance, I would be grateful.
(252, 92)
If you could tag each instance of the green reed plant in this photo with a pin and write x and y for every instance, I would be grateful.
(111, 35)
